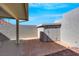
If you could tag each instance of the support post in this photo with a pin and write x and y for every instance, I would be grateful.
(17, 31)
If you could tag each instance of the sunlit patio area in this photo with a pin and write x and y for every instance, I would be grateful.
(35, 48)
(21, 34)
(29, 48)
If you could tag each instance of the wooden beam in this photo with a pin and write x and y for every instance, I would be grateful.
(17, 31)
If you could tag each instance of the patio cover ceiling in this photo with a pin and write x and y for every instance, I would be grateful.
(14, 10)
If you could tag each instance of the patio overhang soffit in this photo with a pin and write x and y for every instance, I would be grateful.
(18, 11)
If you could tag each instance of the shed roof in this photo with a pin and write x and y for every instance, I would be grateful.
(55, 25)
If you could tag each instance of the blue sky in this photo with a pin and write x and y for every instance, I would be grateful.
(46, 13)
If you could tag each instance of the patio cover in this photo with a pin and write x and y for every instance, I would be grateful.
(14, 10)
(18, 11)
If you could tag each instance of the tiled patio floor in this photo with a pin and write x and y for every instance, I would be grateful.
(66, 52)
(37, 48)
(9, 48)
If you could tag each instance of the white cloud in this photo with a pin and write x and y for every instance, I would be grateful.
(34, 4)
(49, 5)
(52, 15)
(46, 16)
(58, 21)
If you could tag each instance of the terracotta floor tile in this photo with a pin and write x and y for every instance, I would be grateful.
(35, 47)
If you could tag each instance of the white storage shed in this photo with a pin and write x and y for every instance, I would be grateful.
(49, 32)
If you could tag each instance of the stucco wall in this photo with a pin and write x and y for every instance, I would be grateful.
(25, 31)
(52, 33)
(40, 30)
(70, 28)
